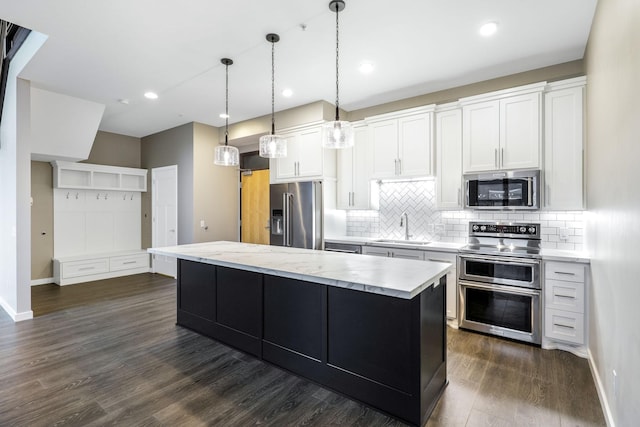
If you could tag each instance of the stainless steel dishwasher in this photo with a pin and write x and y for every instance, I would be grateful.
(343, 247)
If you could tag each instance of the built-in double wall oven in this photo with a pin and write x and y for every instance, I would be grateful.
(499, 283)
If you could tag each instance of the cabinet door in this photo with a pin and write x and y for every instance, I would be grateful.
(452, 291)
(310, 153)
(449, 159)
(375, 251)
(345, 177)
(414, 145)
(520, 132)
(361, 190)
(563, 158)
(384, 143)
(480, 136)
(286, 167)
(407, 254)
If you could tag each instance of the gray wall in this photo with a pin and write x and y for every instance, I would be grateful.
(115, 150)
(170, 147)
(613, 229)
(215, 190)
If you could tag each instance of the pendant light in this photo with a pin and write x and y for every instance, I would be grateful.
(226, 155)
(339, 133)
(273, 146)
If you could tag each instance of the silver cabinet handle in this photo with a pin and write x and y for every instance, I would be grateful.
(399, 166)
(129, 262)
(563, 326)
(459, 196)
(173, 230)
(566, 273)
(495, 157)
(395, 162)
(502, 157)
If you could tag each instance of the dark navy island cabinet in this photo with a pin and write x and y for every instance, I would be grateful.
(387, 352)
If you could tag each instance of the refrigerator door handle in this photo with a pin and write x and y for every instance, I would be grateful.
(286, 214)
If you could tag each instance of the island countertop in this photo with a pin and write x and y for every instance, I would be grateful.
(386, 276)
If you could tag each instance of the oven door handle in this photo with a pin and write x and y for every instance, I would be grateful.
(505, 289)
(506, 260)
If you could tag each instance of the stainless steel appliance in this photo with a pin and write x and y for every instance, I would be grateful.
(296, 214)
(344, 248)
(499, 280)
(507, 190)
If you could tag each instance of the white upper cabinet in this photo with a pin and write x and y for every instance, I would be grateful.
(448, 157)
(306, 159)
(354, 171)
(563, 145)
(501, 130)
(401, 143)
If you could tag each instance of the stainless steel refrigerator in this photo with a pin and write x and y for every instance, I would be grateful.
(297, 214)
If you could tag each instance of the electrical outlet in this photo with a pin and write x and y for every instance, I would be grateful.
(615, 384)
(202, 223)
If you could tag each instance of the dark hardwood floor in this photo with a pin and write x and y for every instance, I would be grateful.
(109, 352)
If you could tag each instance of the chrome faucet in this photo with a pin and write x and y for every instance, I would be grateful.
(404, 221)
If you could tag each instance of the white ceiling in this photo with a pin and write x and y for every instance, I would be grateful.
(105, 51)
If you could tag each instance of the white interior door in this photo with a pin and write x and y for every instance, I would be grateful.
(164, 204)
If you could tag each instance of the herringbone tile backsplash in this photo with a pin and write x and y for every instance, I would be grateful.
(560, 230)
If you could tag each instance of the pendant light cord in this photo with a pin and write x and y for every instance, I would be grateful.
(273, 90)
(226, 107)
(337, 65)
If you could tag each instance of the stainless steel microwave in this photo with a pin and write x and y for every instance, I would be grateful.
(503, 190)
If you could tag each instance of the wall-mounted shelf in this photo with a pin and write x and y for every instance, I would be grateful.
(98, 177)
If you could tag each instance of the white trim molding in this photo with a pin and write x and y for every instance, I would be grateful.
(606, 409)
(17, 317)
(45, 281)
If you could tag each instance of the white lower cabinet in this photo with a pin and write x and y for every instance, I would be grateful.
(452, 279)
(434, 256)
(86, 268)
(393, 252)
(564, 303)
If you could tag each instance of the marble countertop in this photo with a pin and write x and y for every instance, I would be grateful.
(394, 277)
(431, 246)
(547, 254)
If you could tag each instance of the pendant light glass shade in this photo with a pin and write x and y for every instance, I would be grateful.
(338, 133)
(226, 155)
(273, 146)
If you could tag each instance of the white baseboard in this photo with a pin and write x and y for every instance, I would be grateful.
(45, 281)
(606, 409)
(17, 317)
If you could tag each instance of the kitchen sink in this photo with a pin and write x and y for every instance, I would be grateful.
(402, 242)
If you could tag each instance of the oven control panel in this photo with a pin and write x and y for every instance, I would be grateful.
(505, 229)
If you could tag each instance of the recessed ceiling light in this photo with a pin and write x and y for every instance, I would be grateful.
(287, 93)
(488, 29)
(366, 68)
(151, 95)
(224, 116)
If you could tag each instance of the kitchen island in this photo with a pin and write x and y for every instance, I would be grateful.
(372, 329)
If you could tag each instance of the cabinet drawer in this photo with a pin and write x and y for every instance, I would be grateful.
(127, 262)
(564, 326)
(84, 268)
(407, 254)
(440, 257)
(564, 295)
(565, 271)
